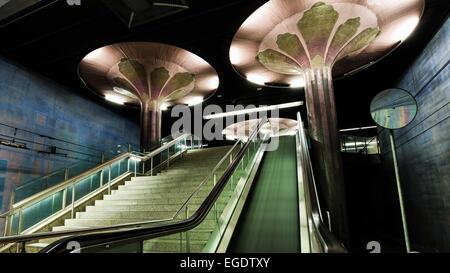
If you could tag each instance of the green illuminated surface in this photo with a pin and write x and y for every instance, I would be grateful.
(270, 221)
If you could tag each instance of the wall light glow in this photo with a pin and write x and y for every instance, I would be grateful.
(115, 99)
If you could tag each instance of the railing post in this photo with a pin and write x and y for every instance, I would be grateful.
(188, 239)
(7, 225)
(64, 197)
(129, 147)
(101, 178)
(135, 167)
(151, 166)
(109, 180)
(66, 174)
(168, 158)
(20, 224)
(103, 157)
(72, 211)
(192, 142)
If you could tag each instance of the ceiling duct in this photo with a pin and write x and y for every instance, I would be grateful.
(138, 12)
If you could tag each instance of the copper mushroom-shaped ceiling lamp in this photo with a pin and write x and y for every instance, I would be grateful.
(305, 42)
(275, 127)
(150, 75)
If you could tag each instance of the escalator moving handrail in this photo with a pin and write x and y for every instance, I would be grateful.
(146, 233)
(328, 241)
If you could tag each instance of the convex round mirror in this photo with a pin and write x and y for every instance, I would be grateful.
(393, 108)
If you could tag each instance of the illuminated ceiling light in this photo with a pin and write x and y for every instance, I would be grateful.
(255, 78)
(194, 100)
(297, 83)
(115, 99)
(406, 28)
(255, 110)
(124, 92)
(235, 55)
(213, 82)
(164, 106)
(357, 129)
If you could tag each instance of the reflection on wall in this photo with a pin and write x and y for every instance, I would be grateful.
(424, 147)
(35, 104)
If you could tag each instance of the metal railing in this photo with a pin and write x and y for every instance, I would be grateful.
(182, 222)
(26, 214)
(315, 235)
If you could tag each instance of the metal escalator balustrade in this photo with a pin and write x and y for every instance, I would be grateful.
(203, 227)
(33, 213)
(193, 228)
(315, 236)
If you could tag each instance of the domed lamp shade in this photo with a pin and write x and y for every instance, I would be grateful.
(152, 76)
(294, 43)
(275, 127)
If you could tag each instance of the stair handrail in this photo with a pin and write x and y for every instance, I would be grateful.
(148, 229)
(61, 186)
(127, 226)
(168, 224)
(328, 242)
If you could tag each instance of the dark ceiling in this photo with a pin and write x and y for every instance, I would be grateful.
(51, 41)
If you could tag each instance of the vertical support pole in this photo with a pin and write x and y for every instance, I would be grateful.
(7, 225)
(64, 197)
(109, 180)
(103, 157)
(188, 239)
(20, 225)
(101, 178)
(66, 174)
(168, 158)
(400, 193)
(151, 166)
(325, 146)
(72, 211)
(135, 167)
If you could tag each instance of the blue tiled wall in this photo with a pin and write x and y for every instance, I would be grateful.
(424, 147)
(34, 103)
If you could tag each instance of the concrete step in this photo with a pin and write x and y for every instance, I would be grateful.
(85, 223)
(172, 246)
(165, 192)
(170, 177)
(160, 198)
(122, 207)
(147, 215)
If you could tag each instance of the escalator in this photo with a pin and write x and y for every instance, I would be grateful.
(258, 201)
(270, 220)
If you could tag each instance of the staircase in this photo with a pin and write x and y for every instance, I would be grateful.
(156, 197)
